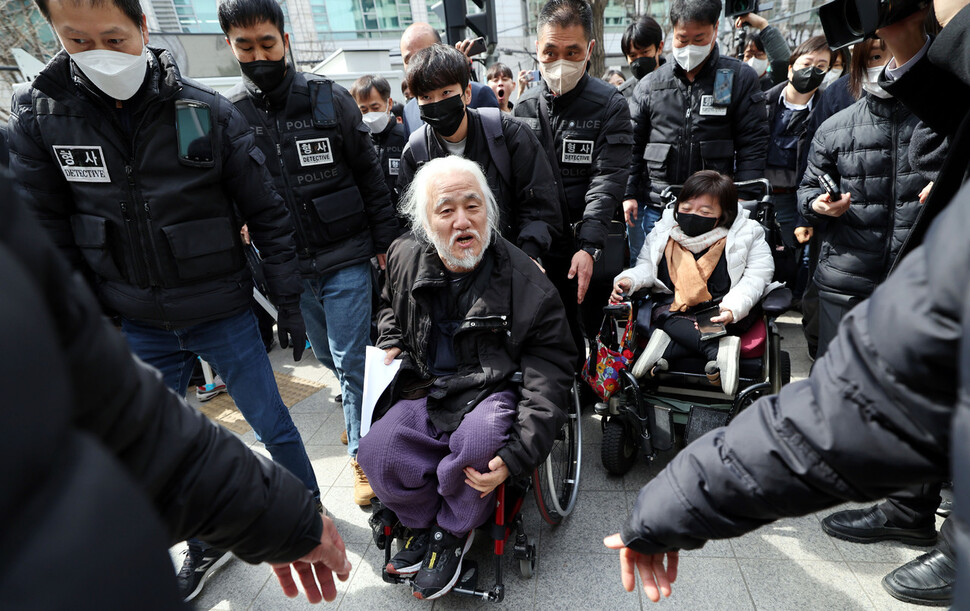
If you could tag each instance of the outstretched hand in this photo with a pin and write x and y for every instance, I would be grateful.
(655, 577)
(316, 569)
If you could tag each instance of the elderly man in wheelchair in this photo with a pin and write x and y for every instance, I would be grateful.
(703, 254)
(487, 366)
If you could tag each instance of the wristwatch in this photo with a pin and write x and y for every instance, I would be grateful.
(592, 251)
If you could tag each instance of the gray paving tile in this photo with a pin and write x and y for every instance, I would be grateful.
(597, 514)
(583, 581)
(883, 551)
(795, 538)
(328, 433)
(307, 424)
(778, 584)
(350, 518)
(235, 586)
(705, 583)
(328, 462)
(367, 590)
(271, 597)
(870, 575)
(319, 402)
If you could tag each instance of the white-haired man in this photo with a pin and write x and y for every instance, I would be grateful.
(465, 309)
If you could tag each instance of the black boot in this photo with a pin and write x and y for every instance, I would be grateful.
(871, 525)
(927, 580)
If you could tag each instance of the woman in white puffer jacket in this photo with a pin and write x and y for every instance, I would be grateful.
(702, 253)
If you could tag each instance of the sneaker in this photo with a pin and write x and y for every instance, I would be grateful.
(442, 564)
(409, 559)
(343, 437)
(199, 565)
(363, 493)
(208, 391)
(339, 399)
(728, 361)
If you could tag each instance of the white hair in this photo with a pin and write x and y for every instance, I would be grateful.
(415, 200)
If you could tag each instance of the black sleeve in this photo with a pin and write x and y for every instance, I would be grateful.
(611, 170)
(639, 183)
(201, 479)
(945, 109)
(751, 133)
(405, 175)
(821, 160)
(538, 211)
(248, 183)
(366, 166)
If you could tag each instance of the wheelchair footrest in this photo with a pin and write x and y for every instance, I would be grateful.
(396, 579)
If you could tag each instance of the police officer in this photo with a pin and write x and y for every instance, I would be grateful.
(134, 171)
(326, 168)
(702, 111)
(373, 97)
(584, 123)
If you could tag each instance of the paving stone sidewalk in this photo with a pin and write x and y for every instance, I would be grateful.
(791, 564)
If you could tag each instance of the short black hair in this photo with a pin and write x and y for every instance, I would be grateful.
(435, 67)
(718, 186)
(754, 38)
(701, 11)
(131, 8)
(498, 69)
(642, 33)
(813, 44)
(612, 72)
(567, 13)
(367, 83)
(247, 13)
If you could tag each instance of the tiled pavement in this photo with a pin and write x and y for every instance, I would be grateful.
(787, 565)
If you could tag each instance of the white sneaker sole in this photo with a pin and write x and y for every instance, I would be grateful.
(218, 564)
(454, 579)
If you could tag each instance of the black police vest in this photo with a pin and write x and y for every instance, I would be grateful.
(310, 170)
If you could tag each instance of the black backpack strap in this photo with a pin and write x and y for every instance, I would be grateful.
(418, 143)
(497, 147)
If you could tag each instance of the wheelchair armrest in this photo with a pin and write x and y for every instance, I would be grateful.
(777, 301)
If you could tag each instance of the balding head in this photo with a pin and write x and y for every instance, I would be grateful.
(417, 36)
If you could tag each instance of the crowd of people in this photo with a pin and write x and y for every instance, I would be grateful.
(477, 238)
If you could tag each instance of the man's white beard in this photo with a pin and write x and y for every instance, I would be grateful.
(466, 262)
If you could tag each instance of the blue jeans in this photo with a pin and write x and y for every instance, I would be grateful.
(344, 298)
(647, 217)
(234, 348)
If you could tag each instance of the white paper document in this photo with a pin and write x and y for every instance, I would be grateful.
(377, 376)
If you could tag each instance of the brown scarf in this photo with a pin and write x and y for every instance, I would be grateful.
(689, 275)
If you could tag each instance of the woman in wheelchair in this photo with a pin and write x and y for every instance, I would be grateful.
(702, 253)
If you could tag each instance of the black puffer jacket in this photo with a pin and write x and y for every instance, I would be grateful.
(530, 213)
(110, 465)
(326, 169)
(876, 415)
(517, 324)
(390, 145)
(160, 236)
(865, 149)
(678, 131)
(587, 136)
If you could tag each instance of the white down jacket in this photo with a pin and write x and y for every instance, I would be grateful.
(749, 262)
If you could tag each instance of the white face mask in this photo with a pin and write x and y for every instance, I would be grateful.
(377, 121)
(691, 56)
(119, 75)
(830, 77)
(563, 75)
(870, 83)
(760, 65)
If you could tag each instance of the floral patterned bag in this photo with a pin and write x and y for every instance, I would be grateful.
(610, 356)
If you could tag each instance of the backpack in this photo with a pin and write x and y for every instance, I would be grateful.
(494, 136)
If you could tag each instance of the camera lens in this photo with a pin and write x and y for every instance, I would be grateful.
(852, 18)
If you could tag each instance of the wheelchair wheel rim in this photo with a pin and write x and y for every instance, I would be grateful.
(562, 467)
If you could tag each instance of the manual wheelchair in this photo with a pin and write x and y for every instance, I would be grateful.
(680, 404)
(554, 484)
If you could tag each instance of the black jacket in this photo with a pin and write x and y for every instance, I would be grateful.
(160, 236)
(517, 324)
(327, 171)
(530, 210)
(674, 136)
(876, 415)
(865, 149)
(107, 464)
(390, 145)
(805, 131)
(593, 120)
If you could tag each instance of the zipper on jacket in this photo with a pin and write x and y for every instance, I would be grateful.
(142, 243)
(287, 195)
(151, 238)
(141, 276)
(688, 128)
(891, 227)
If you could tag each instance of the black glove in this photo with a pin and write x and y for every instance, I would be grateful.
(289, 325)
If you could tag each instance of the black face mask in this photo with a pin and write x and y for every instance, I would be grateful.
(806, 80)
(265, 74)
(642, 66)
(444, 116)
(693, 224)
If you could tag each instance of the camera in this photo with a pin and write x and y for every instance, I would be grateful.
(733, 8)
(847, 22)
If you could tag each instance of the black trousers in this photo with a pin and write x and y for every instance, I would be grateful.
(686, 340)
(913, 507)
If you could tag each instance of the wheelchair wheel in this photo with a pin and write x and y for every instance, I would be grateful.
(619, 449)
(556, 481)
(785, 361)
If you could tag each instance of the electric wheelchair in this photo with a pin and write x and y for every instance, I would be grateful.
(554, 484)
(680, 404)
